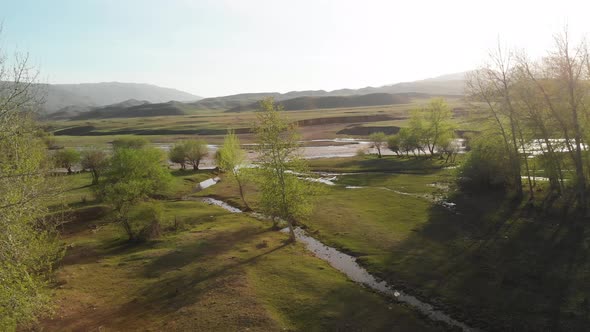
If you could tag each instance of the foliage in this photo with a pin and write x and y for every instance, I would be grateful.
(486, 165)
(394, 144)
(29, 246)
(230, 158)
(67, 158)
(177, 154)
(409, 141)
(96, 160)
(283, 194)
(147, 219)
(378, 139)
(437, 129)
(131, 142)
(195, 151)
(132, 176)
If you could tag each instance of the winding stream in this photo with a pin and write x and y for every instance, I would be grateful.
(347, 264)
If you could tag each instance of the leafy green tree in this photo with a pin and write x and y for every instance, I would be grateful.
(133, 175)
(195, 151)
(378, 140)
(130, 142)
(230, 158)
(283, 194)
(437, 127)
(95, 160)
(29, 246)
(409, 141)
(486, 166)
(178, 155)
(394, 143)
(67, 158)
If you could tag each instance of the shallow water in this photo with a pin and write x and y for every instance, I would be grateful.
(348, 265)
(207, 183)
(221, 204)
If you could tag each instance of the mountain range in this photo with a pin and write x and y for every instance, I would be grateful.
(85, 96)
(112, 100)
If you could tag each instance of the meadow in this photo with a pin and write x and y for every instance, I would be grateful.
(484, 258)
(211, 270)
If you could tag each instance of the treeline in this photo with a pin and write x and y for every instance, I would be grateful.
(430, 131)
(539, 113)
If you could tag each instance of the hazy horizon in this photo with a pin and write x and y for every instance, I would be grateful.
(215, 48)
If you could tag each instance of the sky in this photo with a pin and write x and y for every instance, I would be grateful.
(223, 47)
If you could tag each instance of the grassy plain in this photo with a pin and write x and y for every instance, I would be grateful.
(490, 261)
(212, 125)
(213, 271)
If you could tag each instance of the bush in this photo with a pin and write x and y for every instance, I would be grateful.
(486, 166)
(147, 219)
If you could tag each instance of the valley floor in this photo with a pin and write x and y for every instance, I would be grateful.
(216, 271)
(484, 259)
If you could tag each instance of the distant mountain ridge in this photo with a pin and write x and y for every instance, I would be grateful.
(59, 97)
(325, 102)
(140, 101)
(446, 85)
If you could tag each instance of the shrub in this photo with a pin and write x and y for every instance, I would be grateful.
(486, 166)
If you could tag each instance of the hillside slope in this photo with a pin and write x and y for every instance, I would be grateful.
(310, 103)
(60, 96)
(133, 109)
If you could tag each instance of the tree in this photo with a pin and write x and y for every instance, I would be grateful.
(394, 144)
(29, 246)
(195, 151)
(486, 166)
(133, 175)
(230, 158)
(178, 155)
(491, 86)
(130, 142)
(378, 139)
(437, 127)
(67, 158)
(95, 160)
(408, 141)
(283, 194)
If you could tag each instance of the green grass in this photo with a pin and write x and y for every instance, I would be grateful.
(370, 163)
(493, 263)
(212, 125)
(218, 272)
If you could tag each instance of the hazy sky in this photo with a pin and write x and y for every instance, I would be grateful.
(222, 47)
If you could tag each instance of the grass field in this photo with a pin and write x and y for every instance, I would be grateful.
(491, 262)
(212, 125)
(216, 271)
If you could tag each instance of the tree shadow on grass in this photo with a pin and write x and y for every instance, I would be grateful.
(206, 246)
(498, 266)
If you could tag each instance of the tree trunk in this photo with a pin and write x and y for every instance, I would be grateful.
(242, 192)
(127, 228)
(94, 177)
(379, 152)
(291, 231)
(69, 168)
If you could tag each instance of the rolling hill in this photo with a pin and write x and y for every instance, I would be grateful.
(310, 103)
(133, 109)
(82, 97)
(107, 100)
(446, 85)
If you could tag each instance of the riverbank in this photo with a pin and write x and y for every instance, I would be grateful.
(489, 262)
(212, 270)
